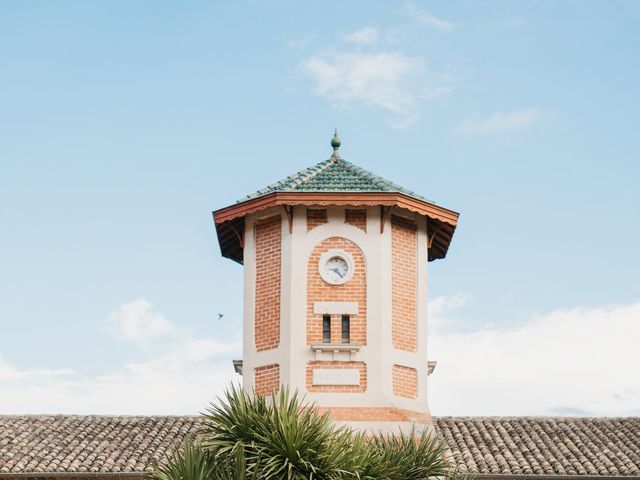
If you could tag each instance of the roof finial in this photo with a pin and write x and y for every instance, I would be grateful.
(335, 143)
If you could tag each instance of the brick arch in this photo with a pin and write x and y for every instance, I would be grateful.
(355, 290)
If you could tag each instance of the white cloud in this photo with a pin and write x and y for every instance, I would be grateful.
(441, 309)
(170, 384)
(9, 373)
(393, 82)
(444, 304)
(501, 122)
(364, 36)
(571, 362)
(135, 321)
(427, 19)
(189, 373)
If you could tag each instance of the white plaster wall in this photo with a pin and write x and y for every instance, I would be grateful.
(250, 357)
(248, 341)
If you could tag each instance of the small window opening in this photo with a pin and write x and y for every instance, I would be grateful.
(346, 329)
(326, 329)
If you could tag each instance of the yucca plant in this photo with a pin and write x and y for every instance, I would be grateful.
(189, 462)
(411, 456)
(360, 460)
(249, 437)
(282, 437)
(192, 462)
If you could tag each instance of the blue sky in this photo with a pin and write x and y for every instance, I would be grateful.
(123, 124)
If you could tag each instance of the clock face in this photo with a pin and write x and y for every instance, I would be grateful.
(336, 270)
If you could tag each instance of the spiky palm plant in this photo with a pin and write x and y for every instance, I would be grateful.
(282, 438)
(411, 456)
(360, 460)
(192, 462)
(249, 437)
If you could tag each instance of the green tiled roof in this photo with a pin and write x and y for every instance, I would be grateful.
(334, 175)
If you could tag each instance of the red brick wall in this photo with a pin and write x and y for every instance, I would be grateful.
(267, 299)
(315, 217)
(337, 388)
(372, 414)
(405, 381)
(355, 290)
(267, 379)
(404, 249)
(357, 218)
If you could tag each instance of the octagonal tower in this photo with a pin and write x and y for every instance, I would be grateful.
(335, 290)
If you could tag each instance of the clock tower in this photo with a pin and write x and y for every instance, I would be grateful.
(335, 290)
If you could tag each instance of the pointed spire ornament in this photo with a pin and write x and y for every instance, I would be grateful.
(335, 143)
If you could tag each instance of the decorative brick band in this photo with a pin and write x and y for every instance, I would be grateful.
(316, 217)
(405, 381)
(318, 365)
(267, 379)
(268, 277)
(357, 218)
(376, 414)
(404, 250)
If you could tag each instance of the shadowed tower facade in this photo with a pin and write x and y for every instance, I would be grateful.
(335, 290)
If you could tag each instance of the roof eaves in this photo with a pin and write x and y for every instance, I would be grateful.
(73, 474)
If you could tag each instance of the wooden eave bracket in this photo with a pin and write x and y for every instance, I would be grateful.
(238, 235)
(289, 211)
(432, 235)
(383, 216)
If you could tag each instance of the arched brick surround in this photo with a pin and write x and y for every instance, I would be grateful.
(355, 290)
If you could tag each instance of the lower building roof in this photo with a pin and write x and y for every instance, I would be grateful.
(517, 447)
(543, 445)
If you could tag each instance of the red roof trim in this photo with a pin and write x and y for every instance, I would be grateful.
(338, 199)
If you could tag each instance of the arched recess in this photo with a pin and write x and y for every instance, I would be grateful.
(353, 291)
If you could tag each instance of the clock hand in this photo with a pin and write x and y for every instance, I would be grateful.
(337, 271)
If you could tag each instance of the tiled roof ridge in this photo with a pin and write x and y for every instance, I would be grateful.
(282, 184)
(320, 167)
(381, 182)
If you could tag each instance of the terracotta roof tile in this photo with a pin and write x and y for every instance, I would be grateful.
(97, 444)
(543, 446)
(479, 445)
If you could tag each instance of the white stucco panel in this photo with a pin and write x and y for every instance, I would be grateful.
(335, 308)
(336, 376)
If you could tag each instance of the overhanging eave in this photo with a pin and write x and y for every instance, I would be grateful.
(229, 221)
